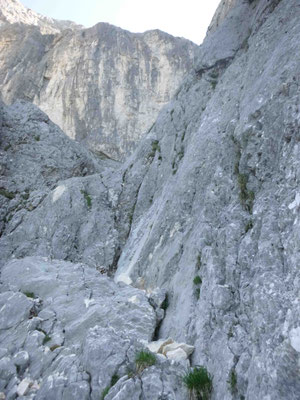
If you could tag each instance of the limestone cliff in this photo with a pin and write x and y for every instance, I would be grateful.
(205, 210)
(12, 11)
(102, 85)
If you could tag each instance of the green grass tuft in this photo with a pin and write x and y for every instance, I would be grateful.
(199, 383)
(232, 381)
(197, 280)
(144, 359)
(87, 197)
(104, 393)
(30, 295)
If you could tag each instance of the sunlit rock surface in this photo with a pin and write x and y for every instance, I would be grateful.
(206, 210)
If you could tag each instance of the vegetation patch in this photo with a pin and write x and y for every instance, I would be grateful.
(144, 359)
(199, 383)
(7, 194)
(37, 138)
(249, 226)
(104, 393)
(197, 280)
(46, 339)
(246, 196)
(198, 262)
(232, 381)
(54, 347)
(113, 381)
(87, 197)
(30, 295)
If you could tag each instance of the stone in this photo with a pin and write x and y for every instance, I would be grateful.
(174, 346)
(178, 355)
(157, 346)
(24, 387)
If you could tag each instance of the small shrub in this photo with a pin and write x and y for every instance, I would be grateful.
(143, 360)
(7, 194)
(232, 381)
(87, 197)
(246, 196)
(197, 280)
(104, 393)
(113, 381)
(30, 295)
(155, 146)
(46, 339)
(37, 138)
(199, 383)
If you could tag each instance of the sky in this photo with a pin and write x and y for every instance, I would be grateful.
(184, 18)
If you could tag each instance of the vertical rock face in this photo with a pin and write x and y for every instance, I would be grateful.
(103, 85)
(219, 197)
(223, 9)
(12, 11)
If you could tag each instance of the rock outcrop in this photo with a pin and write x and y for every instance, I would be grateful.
(206, 209)
(13, 12)
(103, 85)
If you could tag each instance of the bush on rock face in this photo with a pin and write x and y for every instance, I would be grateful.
(199, 383)
(143, 360)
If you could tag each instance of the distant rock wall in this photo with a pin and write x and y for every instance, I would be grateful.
(103, 86)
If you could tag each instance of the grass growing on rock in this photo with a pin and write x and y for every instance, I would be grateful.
(87, 197)
(232, 381)
(7, 194)
(144, 359)
(104, 393)
(199, 383)
(197, 280)
(113, 381)
(30, 295)
(46, 339)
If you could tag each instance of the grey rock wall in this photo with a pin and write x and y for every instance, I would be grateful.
(211, 192)
(103, 85)
(219, 201)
